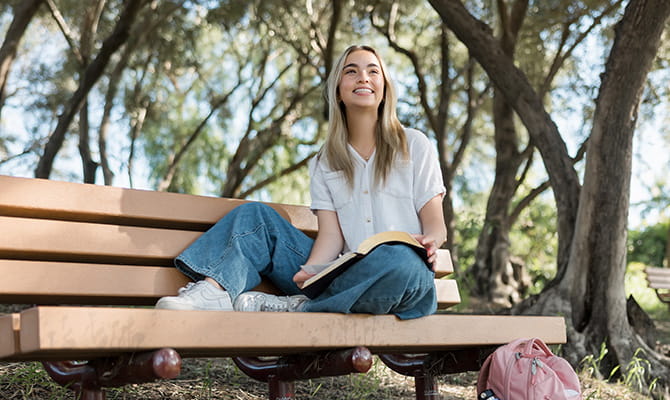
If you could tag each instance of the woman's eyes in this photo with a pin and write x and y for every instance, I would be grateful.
(353, 71)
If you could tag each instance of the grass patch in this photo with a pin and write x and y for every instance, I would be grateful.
(219, 379)
(29, 381)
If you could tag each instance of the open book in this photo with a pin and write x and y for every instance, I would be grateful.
(325, 273)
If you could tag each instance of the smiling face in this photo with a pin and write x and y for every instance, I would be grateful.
(362, 81)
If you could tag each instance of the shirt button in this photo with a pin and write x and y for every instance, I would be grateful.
(365, 192)
(369, 220)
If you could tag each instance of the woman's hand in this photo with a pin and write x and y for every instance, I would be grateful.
(434, 230)
(431, 245)
(300, 277)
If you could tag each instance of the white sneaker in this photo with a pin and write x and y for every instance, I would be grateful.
(259, 301)
(200, 295)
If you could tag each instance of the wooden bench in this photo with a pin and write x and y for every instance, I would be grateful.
(93, 258)
(659, 280)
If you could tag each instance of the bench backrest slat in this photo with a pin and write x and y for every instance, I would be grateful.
(53, 240)
(43, 283)
(40, 198)
(85, 242)
(658, 278)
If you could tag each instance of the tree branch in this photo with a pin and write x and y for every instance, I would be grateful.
(176, 159)
(276, 176)
(90, 77)
(388, 33)
(560, 58)
(65, 29)
(23, 14)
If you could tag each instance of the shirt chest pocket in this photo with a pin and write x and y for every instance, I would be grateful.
(400, 182)
(339, 189)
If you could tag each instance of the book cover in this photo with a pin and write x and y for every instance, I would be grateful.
(325, 273)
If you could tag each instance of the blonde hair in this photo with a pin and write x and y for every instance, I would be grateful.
(389, 134)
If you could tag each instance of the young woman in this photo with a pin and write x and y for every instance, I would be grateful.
(372, 175)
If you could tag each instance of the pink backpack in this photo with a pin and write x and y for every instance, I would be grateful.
(526, 369)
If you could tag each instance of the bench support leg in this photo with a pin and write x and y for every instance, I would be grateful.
(90, 394)
(426, 387)
(280, 390)
(425, 367)
(425, 384)
(88, 379)
(280, 372)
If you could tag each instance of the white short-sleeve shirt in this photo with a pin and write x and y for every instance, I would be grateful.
(370, 209)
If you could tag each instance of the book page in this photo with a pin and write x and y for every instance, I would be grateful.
(325, 268)
(387, 237)
(316, 268)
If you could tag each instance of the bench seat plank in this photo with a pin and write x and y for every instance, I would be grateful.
(9, 332)
(88, 332)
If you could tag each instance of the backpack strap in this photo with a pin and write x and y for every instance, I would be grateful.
(535, 344)
(482, 379)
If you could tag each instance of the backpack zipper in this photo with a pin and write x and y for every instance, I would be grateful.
(517, 356)
(533, 371)
(535, 362)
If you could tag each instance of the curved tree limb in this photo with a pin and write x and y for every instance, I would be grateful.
(93, 72)
(519, 93)
(23, 14)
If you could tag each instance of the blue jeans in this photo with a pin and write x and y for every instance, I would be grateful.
(254, 241)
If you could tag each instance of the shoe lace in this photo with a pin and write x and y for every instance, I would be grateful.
(296, 302)
(189, 286)
(281, 304)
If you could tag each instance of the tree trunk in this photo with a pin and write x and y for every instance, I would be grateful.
(589, 290)
(93, 72)
(597, 265)
(89, 166)
(114, 79)
(23, 14)
(666, 259)
(136, 124)
(497, 277)
(89, 29)
(494, 275)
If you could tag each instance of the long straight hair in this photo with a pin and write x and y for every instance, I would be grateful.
(389, 133)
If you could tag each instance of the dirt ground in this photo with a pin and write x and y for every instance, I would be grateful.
(219, 379)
